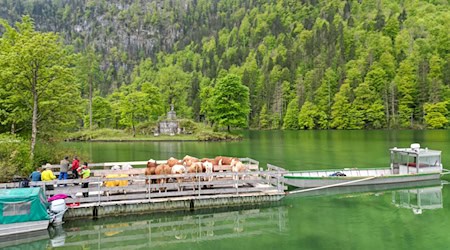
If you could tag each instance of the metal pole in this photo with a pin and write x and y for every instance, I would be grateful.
(332, 185)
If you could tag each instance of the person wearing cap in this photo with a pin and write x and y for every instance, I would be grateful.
(47, 175)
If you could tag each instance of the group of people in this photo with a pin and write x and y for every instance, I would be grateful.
(77, 171)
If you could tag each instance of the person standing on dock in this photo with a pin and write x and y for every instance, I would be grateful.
(85, 173)
(64, 167)
(75, 166)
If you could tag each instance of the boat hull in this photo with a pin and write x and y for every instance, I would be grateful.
(311, 182)
(23, 227)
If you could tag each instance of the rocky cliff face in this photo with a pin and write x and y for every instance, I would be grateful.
(122, 32)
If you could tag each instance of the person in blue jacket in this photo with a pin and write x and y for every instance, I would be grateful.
(36, 175)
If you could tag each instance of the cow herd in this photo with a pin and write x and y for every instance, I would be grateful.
(192, 165)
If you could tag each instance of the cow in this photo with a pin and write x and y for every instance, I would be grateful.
(195, 167)
(213, 161)
(236, 167)
(150, 170)
(179, 169)
(208, 168)
(189, 160)
(162, 169)
(172, 162)
(224, 160)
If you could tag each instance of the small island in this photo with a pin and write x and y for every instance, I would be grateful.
(168, 128)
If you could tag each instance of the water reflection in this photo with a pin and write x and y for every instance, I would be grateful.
(417, 196)
(419, 199)
(57, 236)
(150, 231)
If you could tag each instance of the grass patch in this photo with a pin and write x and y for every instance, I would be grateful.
(201, 133)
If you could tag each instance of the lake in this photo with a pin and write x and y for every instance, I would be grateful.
(396, 217)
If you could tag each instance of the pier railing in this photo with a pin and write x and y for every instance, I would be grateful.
(129, 185)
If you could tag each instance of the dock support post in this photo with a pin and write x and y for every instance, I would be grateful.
(191, 205)
(149, 187)
(95, 212)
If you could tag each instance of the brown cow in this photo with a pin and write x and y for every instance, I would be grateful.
(150, 170)
(224, 160)
(162, 169)
(195, 167)
(189, 160)
(172, 162)
(213, 161)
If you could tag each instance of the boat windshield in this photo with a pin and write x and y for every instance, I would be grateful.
(404, 159)
(430, 161)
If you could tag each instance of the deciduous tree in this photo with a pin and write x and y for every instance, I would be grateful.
(37, 72)
(231, 102)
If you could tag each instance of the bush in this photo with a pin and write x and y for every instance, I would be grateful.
(188, 126)
(146, 128)
(14, 157)
(53, 153)
(217, 136)
(86, 135)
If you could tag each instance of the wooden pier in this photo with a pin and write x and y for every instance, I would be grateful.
(130, 191)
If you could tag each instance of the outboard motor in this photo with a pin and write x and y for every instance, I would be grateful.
(57, 209)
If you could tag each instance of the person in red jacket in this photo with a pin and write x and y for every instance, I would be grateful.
(75, 166)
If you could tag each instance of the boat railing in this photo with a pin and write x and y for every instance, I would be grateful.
(350, 172)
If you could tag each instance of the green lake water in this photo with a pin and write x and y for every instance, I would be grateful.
(395, 217)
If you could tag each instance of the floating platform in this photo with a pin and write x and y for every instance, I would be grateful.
(131, 191)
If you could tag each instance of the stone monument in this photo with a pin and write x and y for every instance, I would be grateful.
(170, 125)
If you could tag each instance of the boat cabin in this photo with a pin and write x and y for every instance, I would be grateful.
(415, 160)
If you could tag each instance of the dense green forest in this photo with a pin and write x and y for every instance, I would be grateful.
(286, 64)
(307, 64)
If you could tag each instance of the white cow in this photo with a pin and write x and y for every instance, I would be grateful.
(179, 169)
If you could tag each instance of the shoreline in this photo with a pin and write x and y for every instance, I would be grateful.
(149, 140)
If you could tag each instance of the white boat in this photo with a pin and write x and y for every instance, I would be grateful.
(26, 210)
(407, 165)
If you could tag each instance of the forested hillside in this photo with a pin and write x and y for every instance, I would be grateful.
(308, 64)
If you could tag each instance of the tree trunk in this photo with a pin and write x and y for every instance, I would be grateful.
(90, 101)
(132, 125)
(34, 118)
(393, 115)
